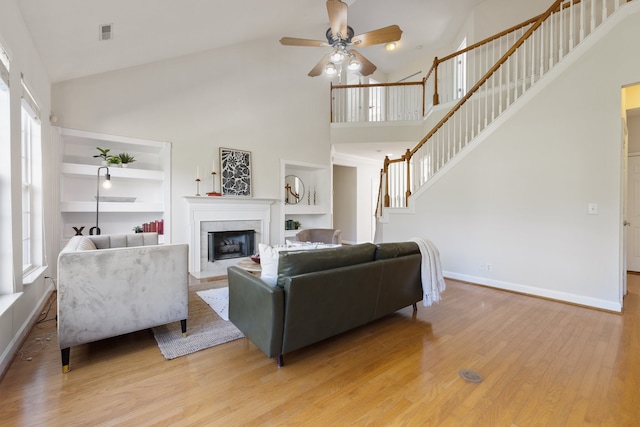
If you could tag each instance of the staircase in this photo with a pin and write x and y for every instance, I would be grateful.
(504, 67)
(526, 150)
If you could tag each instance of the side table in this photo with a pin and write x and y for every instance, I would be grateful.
(250, 266)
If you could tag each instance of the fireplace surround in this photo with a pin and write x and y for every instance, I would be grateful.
(223, 213)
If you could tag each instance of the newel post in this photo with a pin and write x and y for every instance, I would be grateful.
(436, 97)
(407, 158)
(386, 181)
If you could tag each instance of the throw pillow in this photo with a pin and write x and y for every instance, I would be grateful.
(268, 263)
(86, 244)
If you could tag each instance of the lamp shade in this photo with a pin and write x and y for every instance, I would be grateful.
(354, 64)
(331, 69)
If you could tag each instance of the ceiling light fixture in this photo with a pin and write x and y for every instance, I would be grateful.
(390, 46)
(331, 69)
(354, 64)
(336, 57)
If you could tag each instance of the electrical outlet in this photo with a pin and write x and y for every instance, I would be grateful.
(485, 266)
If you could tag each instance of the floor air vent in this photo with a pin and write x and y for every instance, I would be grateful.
(471, 376)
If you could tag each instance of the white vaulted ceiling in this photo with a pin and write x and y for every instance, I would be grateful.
(66, 31)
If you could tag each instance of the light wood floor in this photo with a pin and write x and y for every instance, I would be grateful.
(544, 364)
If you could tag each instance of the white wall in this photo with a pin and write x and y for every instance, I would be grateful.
(18, 315)
(519, 199)
(255, 97)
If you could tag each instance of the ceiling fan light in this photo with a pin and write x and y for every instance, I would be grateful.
(354, 64)
(336, 57)
(330, 69)
(390, 46)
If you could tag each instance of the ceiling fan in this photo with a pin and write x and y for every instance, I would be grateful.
(340, 37)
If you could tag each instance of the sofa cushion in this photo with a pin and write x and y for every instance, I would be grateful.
(395, 250)
(294, 262)
(73, 244)
(268, 263)
(108, 241)
(269, 257)
(86, 244)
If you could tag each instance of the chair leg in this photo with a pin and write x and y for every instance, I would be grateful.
(65, 352)
(415, 307)
(280, 360)
(183, 326)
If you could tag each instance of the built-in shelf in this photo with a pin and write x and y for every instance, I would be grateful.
(314, 208)
(115, 171)
(147, 181)
(111, 207)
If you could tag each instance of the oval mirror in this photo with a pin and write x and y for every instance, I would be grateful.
(293, 189)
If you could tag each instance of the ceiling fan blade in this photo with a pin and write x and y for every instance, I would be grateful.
(337, 11)
(366, 67)
(392, 33)
(292, 41)
(319, 68)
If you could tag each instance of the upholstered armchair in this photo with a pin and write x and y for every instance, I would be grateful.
(110, 285)
(317, 235)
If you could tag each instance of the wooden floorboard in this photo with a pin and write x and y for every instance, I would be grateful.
(544, 363)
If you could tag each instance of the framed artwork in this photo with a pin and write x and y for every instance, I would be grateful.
(235, 172)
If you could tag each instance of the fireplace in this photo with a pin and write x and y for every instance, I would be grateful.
(230, 244)
(209, 214)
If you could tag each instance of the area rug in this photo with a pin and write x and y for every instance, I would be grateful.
(205, 328)
(218, 300)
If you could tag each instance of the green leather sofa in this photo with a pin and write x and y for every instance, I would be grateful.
(324, 292)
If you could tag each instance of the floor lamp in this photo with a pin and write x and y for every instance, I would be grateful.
(105, 184)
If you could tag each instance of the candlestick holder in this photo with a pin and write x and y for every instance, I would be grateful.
(197, 186)
(213, 179)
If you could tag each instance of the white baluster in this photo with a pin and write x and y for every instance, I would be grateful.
(571, 13)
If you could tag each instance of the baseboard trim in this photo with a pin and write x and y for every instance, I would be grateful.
(19, 338)
(538, 292)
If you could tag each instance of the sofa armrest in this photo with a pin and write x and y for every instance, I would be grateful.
(257, 309)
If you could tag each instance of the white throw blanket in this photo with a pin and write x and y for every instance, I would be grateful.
(432, 280)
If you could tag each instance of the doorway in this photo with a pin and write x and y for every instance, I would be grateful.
(345, 202)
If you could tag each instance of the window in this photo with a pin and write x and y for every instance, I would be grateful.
(460, 72)
(30, 147)
(6, 261)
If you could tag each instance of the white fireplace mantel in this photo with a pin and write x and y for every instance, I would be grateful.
(223, 209)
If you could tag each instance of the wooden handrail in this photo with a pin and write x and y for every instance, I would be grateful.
(437, 61)
(434, 68)
(488, 74)
(364, 85)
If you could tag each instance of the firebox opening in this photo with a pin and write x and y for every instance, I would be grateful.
(230, 244)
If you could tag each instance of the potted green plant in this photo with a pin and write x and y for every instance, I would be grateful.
(104, 155)
(113, 160)
(137, 229)
(125, 159)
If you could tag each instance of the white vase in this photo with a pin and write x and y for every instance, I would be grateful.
(124, 165)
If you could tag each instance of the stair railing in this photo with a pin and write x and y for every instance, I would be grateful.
(377, 102)
(549, 39)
